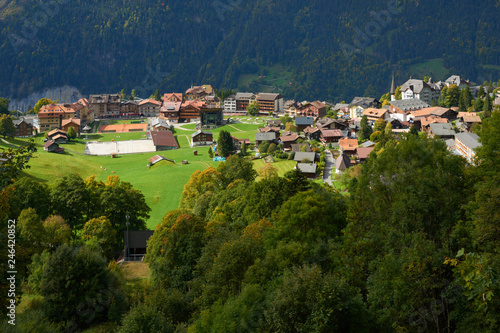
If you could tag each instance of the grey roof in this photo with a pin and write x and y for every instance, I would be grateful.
(368, 144)
(415, 85)
(471, 140)
(342, 162)
(442, 129)
(455, 79)
(159, 122)
(450, 143)
(242, 95)
(200, 132)
(265, 136)
(410, 104)
(268, 96)
(28, 121)
(339, 106)
(299, 156)
(304, 120)
(307, 167)
(364, 102)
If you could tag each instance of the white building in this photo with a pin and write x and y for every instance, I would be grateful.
(418, 89)
(230, 104)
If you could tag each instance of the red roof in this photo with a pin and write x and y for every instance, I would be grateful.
(348, 144)
(70, 120)
(163, 138)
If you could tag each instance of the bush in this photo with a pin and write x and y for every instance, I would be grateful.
(144, 318)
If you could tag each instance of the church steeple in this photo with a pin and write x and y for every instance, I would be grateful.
(393, 89)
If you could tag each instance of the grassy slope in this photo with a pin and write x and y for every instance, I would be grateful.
(162, 184)
(433, 68)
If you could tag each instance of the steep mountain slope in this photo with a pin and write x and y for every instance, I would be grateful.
(334, 49)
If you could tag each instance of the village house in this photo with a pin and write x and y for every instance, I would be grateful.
(57, 135)
(436, 111)
(82, 111)
(330, 123)
(212, 102)
(129, 108)
(198, 92)
(230, 104)
(311, 109)
(290, 108)
(105, 105)
(302, 156)
(458, 81)
(418, 89)
(191, 109)
(273, 123)
(201, 138)
(308, 169)
(270, 103)
(24, 127)
(328, 135)
(238, 142)
(359, 104)
(173, 97)
(341, 109)
(288, 140)
(303, 122)
(163, 140)
(265, 136)
(400, 109)
(348, 146)
(376, 114)
(52, 147)
(441, 130)
(159, 124)
(243, 99)
(171, 111)
(469, 121)
(466, 144)
(312, 133)
(74, 123)
(342, 163)
(51, 116)
(267, 129)
(362, 153)
(149, 107)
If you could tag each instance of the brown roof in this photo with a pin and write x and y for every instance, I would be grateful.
(269, 129)
(177, 96)
(363, 152)
(471, 119)
(55, 131)
(49, 143)
(71, 120)
(163, 138)
(290, 138)
(462, 114)
(311, 129)
(348, 144)
(372, 112)
(328, 133)
(57, 136)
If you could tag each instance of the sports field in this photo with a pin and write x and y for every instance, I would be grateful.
(123, 128)
(162, 184)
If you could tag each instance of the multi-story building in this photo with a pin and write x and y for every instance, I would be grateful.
(149, 108)
(105, 105)
(24, 127)
(420, 90)
(243, 100)
(170, 110)
(173, 97)
(198, 92)
(270, 103)
(230, 104)
(51, 116)
(466, 144)
(311, 109)
(129, 108)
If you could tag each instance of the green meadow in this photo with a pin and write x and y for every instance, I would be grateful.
(162, 184)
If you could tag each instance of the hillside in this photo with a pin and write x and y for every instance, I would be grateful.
(316, 49)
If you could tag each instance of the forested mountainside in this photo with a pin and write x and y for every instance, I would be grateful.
(325, 49)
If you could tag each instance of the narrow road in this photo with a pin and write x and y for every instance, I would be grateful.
(329, 165)
(236, 128)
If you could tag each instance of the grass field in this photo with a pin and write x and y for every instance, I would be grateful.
(277, 75)
(162, 184)
(433, 68)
